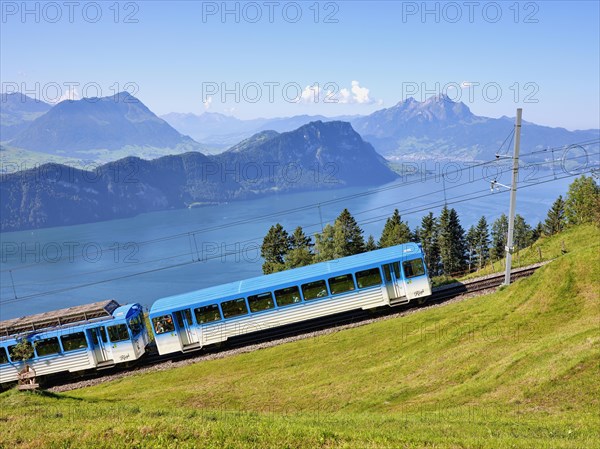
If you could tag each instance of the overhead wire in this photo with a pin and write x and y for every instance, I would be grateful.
(370, 220)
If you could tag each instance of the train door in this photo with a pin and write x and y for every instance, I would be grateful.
(100, 344)
(393, 280)
(184, 323)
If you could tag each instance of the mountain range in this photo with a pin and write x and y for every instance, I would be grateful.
(435, 129)
(88, 127)
(222, 130)
(315, 156)
(110, 128)
(441, 129)
(17, 111)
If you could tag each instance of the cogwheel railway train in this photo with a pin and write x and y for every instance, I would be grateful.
(104, 334)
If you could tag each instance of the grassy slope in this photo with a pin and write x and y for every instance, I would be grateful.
(518, 368)
(548, 247)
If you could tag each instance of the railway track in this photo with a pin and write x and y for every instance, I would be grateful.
(284, 333)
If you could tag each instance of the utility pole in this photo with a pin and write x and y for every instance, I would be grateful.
(513, 197)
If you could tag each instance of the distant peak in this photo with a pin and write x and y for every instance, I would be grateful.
(407, 101)
(440, 98)
(123, 95)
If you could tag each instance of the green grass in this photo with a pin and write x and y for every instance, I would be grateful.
(515, 369)
(547, 247)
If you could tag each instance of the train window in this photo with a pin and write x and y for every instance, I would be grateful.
(47, 346)
(94, 334)
(341, 284)
(207, 314)
(74, 341)
(262, 301)
(387, 272)
(136, 325)
(396, 266)
(163, 324)
(368, 278)
(18, 357)
(287, 296)
(314, 290)
(187, 313)
(235, 307)
(3, 356)
(118, 332)
(413, 268)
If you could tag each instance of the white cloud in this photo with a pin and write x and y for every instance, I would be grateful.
(207, 103)
(332, 93)
(70, 94)
(356, 94)
(361, 94)
(344, 96)
(311, 94)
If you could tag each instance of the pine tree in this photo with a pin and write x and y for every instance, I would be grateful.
(370, 245)
(555, 221)
(451, 241)
(275, 246)
(499, 236)
(428, 237)
(395, 231)
(300, 253)
(300, 240)
(325, 244)
(348, 236)
(522, 236)
(537, 232)
(582, 200)
(471, 241)
(482, 243)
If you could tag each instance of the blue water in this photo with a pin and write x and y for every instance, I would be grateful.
(58, 259)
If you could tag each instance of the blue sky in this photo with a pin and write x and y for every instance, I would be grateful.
(352, 58)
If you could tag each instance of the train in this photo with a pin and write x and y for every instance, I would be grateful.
(106, 334)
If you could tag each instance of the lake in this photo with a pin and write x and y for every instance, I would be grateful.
(106, 256)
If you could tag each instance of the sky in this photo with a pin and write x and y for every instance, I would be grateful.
(271, 58)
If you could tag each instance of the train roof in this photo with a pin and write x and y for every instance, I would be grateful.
(293, 276)
(70, 316)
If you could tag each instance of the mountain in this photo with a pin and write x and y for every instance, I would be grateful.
(17, 111)
(440, 128)
(212, 128)
(82, 127)
(315, 156)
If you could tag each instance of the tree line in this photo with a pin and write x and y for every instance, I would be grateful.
(449, 248)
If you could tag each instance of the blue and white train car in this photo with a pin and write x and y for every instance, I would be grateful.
(93, 336)
(389, 276)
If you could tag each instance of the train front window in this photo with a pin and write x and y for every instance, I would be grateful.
(235, 307)
(207, 314)
(75, 341)
(341, 284)
(368, 278)
(287, 296)
(3, 356)
(314, 290)
(118, 332)
(136, 325)
(413, 268)
(47, 346)
(163, 324)
(262, 301)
